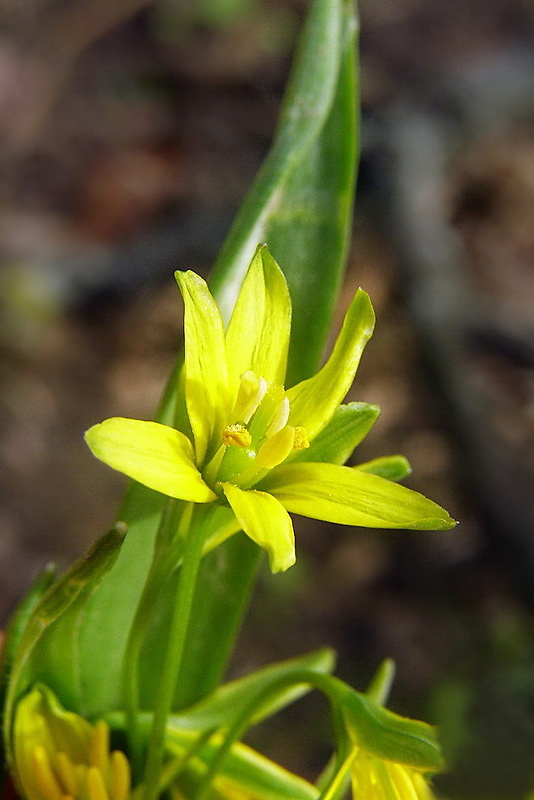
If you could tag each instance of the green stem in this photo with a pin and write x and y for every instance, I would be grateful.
(192, 557)
(331, 687)
(175, 766)
(161, 568)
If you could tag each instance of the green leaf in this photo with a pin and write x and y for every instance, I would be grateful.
(334, 444)
(380, 686)
(244, 773)
(20, 620)
(301, 201)
(18, 624)
(387, 735)
(392, 468)
(48, 650)
(301, 205)
(219, 707)
(219, 601)
(217, 711)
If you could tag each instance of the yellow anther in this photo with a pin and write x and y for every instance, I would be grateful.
(280, 419)
(64, 769)
(276, 449)
(95, 785)
(99, 753)
(301, 438)
(236, 435)
(250, 394)
(44, 776)
(72, 761)
(120, 783)
(80, 772)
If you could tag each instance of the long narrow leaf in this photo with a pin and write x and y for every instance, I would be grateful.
(301, 205)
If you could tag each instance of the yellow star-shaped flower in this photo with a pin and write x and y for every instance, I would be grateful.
(59, 755)
(251, 445)
(378, 779)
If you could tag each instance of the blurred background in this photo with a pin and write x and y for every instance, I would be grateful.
(129, 133)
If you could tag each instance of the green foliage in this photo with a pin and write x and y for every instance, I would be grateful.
(348, 427)
(48, 649)
(163, 612)
(310, 170)
(392, 468)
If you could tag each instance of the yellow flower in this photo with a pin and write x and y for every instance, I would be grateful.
(375, 778)
(248, 444)
(58, 755)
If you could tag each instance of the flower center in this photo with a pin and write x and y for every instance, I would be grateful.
(258, 436)
(106, 776)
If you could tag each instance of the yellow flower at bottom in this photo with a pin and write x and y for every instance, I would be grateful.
(377, 779)
(60, 755)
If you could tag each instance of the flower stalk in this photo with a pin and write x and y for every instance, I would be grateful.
(164, 560)
(174, 648)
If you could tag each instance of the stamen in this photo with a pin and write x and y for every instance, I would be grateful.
(276, 449)
(250, 394)
(80, 774)
(120, 776)
(95, 785)
(99, 753)
(236, 435)
(64, 769)
(44, 775)
(280, 419)
(301, 438)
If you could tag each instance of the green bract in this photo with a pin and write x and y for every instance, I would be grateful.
(245, 443)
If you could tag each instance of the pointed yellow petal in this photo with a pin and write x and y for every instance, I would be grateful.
(258, 332)
(155, 455)
(350, 497)
(206, 379)
(266, 522)
(314, 401)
